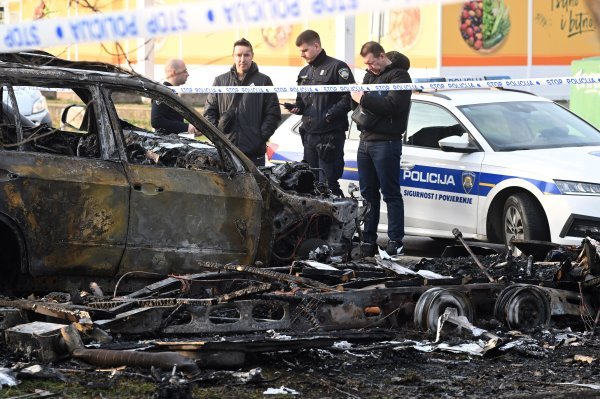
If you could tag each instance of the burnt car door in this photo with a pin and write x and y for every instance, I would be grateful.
(190, 201)
(64, 189)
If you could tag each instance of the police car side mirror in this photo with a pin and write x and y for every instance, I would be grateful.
(457, 144)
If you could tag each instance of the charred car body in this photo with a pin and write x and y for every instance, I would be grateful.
(100, 195)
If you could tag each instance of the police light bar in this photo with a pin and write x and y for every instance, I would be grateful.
(497, 77)
(428, 80)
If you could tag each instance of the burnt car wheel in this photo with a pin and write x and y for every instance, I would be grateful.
(523, 219)
(9, 259)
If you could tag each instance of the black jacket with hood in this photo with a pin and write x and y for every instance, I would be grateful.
(392, 107)
(324, 112)
(255, 117)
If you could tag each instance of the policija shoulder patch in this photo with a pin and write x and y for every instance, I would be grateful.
(344, 73)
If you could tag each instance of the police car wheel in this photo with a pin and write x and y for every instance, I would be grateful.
(524, 219)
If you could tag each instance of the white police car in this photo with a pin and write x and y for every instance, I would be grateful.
(32, 104)
(526, 167)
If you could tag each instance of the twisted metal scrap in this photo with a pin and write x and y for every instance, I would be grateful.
(267, 273)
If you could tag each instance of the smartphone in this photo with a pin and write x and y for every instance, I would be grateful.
(288, 106)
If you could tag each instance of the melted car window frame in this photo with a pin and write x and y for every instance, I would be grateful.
(94, 142)
(227, 162)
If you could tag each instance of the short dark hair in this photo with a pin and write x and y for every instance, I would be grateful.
(243, 42)
(399, 59)
(308, 37)
(371, 48)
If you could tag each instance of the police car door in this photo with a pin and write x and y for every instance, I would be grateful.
(439, 187)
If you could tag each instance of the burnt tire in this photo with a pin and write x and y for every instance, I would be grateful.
(10, 260)
(524, 219)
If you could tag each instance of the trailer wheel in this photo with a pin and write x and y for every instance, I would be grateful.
(432, 304)
(522, 307)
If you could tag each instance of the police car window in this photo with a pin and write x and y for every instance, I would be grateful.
(429, 123)
(145, 145)
(528, 125)
(36, 127)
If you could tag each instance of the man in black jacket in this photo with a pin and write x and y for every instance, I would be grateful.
(380, 146)
(247, 119)
(163, 118)
(324, 115)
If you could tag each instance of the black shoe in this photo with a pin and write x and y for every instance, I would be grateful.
(368, 249)
(394, 248)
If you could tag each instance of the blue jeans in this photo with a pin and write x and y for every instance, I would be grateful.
(379, 168)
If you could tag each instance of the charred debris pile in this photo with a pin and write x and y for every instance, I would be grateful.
(215, 318)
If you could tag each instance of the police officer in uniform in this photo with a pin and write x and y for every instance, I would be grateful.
(324, 115)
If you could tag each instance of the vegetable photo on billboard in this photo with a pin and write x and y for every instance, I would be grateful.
(484, 24)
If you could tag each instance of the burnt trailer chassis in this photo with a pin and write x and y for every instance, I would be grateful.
(244, 299)
(229, 310)
(518, 306)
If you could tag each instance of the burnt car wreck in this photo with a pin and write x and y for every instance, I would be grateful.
(99, 195)
(173, 253)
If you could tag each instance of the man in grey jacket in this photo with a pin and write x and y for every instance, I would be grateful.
(247, 119)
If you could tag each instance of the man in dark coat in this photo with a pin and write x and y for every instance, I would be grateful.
(247, 119)
(380, 145)
(163, 118)
(324, 115)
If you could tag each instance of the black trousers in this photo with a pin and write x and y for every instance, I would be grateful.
(330, 170)
(258, 160)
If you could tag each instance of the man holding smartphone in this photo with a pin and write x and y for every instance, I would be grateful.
(324, 115)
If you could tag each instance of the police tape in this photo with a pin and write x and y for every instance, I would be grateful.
(585, 79)
(592, 79)
(205, 16)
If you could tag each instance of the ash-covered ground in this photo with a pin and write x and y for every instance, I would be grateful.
(490, 360)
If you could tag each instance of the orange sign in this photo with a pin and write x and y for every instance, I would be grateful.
(563, 31)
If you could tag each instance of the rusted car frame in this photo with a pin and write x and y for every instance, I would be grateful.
(101, 212)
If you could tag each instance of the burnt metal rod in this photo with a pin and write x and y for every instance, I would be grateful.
(266, 273)
(595, 324)
(459, 237)
(72, 342)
